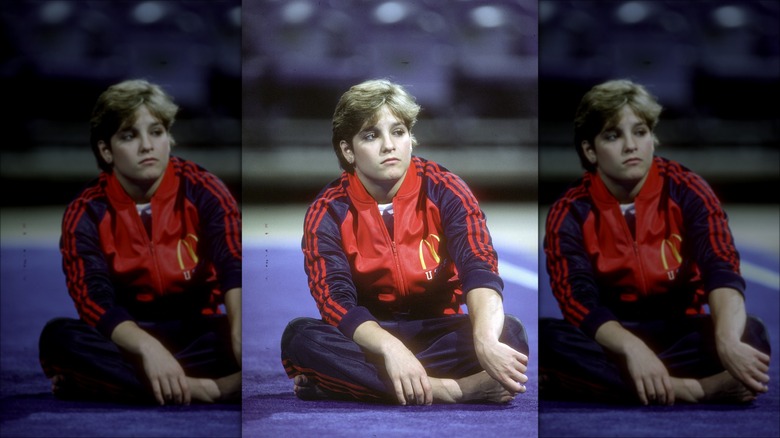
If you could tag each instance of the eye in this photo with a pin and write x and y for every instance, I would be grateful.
(399, 132)
(369, 136)
(126, 135)
(610, 136)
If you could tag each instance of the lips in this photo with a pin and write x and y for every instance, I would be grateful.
(147, 161)
(631, 161)
(391, 161)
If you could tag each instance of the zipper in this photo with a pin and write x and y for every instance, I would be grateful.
(643, 289)
(155, 264)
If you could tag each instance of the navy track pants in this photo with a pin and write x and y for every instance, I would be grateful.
(94, 367)
(573, 366)
(444, 346)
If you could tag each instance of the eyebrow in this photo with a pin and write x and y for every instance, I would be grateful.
(635, 125)
(374, 127)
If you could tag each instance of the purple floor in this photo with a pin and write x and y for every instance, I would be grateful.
(279, 293)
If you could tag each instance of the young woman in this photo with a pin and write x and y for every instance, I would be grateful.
(634, 250)
(393, 249)
(151, 250)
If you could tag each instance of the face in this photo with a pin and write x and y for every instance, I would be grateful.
(139, 153)
(623, 154)
(381, 153)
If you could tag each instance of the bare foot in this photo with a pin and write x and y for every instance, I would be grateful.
(479, 387)
(718, 388)
(724, 388)
(203, 390)
(306, 390)
(222, 390)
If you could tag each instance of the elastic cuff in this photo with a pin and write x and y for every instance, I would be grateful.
(352, 320)
(595, 319)
(112, 318)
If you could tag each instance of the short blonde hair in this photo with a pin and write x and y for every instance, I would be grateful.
(600, 107)
(360, 105)
(116, 108)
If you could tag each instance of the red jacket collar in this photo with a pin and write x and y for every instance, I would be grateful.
(119, 196)
(410, 187)
(650, 189)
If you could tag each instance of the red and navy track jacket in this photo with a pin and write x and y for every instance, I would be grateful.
(115, 272)
(683, 249)
(441, 247)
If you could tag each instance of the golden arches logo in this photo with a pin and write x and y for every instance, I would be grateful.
(431, 250)
(189, 247)
(673, 249)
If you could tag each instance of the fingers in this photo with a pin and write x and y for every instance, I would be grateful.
(174, 390)
(399, 391)
(640, 391)
(186, 396)
(667, 382)
(157, 391)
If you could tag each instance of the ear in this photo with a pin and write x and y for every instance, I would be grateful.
(589, 150)
(105, 152)
(346, 151)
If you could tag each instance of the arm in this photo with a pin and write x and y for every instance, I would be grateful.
(169, 384)
(470, 245)
(744, 362)
(504, 364)
(406, 373)
(649, 375)
(572, 275)
(718, 259)
(86, 270)
(233, 306)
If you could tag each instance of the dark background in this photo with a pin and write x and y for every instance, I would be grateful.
(713, 65)
(56, 57)
(472, 65)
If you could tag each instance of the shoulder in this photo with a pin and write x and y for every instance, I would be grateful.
(193, 173)
(681, 180)
(197, 182)
(93, 193)
(576, 200)
(90, 204)
(333, 196)
(438, 181)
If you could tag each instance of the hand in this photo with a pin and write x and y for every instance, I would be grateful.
(504, 364)
(746, 364)
(409, 379)
(650, 376)
(169, 384)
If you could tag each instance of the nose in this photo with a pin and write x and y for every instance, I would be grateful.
(630, 144)
(387, 142)
(146, 143)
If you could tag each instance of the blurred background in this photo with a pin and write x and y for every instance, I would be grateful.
(472, 65)
(58, 56)
(713, 65)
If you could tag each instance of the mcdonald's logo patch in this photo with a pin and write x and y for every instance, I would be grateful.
(429, 255)
(670, 254)
(187, 254)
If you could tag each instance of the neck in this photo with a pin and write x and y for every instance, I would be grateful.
(624, 192)
(383, 193)
(140, 192)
